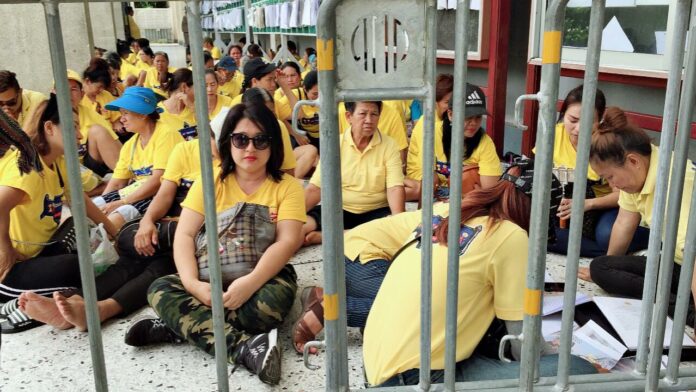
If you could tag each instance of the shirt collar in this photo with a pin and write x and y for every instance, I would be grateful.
(376, 139)
(651, 178)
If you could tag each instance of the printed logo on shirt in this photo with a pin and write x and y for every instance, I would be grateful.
(143, 171)
(52, 208)
(467, 234)
(189, 132)
(310, 122)
(442, 168)
(474, 99)
(82, 149)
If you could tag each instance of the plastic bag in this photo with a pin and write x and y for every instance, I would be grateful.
(103, 251)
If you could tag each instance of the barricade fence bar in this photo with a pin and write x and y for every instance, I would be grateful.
(660, 202)
(426, 195)
(587, 115)
(548, 94)
(77, 202)
(455, 212)
(193, 14)
(331, 206)
(381, 94)
(676, 185)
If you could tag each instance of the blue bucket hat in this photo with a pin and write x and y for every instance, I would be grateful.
(135, 99)
(227, 63)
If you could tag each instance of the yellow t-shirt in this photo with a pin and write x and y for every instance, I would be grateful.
(492, 280)
(137, 162)
(285, 199)
(642, 202)
(88, 117)
(30, 100)
(37, 217)
(134, 29)
(366, 175)
(132, 58)
(380, 239)
(390, 123)
(403, 107)
(152, 82)
(310, 122)
(485, 155)
(184, 165)
(128, 69)
(236, 100)
(289, 161)
(102, 100)
(215, 53)
(564, 155)
(231, 88)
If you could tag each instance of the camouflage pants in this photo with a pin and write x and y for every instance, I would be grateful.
(193, 321)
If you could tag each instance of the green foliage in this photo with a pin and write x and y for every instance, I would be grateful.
(577, 27)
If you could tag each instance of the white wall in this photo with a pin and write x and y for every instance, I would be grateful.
(27, 53)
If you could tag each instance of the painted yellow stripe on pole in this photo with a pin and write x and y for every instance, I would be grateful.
(532, 302)
(325, 54)
(331, 307)
(551, 50)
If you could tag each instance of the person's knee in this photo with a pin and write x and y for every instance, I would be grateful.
(599, 267)
(159, 287)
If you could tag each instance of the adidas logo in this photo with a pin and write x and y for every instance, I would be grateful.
(474, 99)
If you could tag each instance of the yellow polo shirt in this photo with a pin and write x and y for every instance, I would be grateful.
(215, 53)
(236, 100)
(285, 199)
(485, 155)
(152, 82)
(310, 121)
(289, 161)
(366, 175)
(137, 162)
(390, 124)
(98, 105)
(30, 100)
(564, 155)
(491, 283)
(231, 88)
(37, 217)
(403, 107)
(380, 239)
(642, 202)
(134, 29)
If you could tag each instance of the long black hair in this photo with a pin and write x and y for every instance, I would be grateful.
(266, 121)
(470, 143)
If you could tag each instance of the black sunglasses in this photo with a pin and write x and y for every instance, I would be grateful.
(241, 140)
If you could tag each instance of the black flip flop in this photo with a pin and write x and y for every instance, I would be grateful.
(16, 322)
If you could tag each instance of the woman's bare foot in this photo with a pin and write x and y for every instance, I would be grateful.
(312, 238)
(311, 321)
(72, 309)
(42, 309)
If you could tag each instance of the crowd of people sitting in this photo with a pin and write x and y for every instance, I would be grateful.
(138, 143)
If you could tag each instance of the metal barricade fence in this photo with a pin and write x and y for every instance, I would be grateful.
(415, 79)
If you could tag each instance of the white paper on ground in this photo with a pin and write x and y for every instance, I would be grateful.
(594, 344)
(553, 302)
(624, 315)
(614, 38)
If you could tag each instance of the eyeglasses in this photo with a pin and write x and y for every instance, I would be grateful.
(241, 141)
(12, 102)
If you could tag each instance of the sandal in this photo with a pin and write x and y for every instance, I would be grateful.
(301, 332)
(9, 307)
(16, 322)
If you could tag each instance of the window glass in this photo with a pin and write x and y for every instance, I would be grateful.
(446, 27)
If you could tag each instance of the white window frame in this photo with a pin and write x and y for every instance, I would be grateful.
(620, 62)
(483, 35)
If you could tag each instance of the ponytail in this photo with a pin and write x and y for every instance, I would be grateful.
(616, 137)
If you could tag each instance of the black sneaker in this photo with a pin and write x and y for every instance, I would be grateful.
(261, 355)
(148, 331)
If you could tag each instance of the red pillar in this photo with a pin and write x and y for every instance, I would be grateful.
(531, 109)
(498, 70)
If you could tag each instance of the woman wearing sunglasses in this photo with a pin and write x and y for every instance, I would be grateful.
(251, 154)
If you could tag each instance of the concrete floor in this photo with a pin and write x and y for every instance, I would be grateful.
(52, 360)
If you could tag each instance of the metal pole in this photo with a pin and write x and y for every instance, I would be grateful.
(331, 204)
(589, 93)
(247, 26)
(683, 296)
(538, 232)
(660, 202)
(427, 194)
(460, 70)
(88, 23)
(193, 17)
(77, 203)
(676, 185)
(113, 21)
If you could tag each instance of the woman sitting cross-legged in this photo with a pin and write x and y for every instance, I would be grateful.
(37, 252)
(259, 285)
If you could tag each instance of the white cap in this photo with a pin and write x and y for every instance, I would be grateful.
(216, 123)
